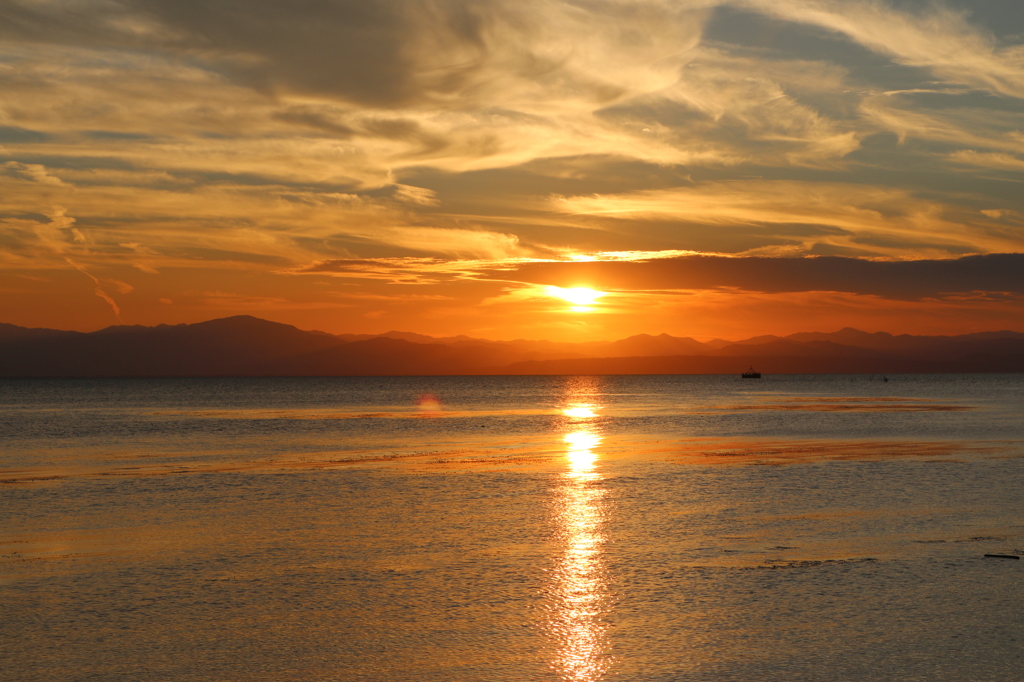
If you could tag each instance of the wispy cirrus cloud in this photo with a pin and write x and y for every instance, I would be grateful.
(863, 220)
(936, 36)
(991, 160)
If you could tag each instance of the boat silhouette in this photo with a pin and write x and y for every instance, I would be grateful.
(751, 374)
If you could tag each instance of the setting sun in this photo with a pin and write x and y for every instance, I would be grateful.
(579, 296)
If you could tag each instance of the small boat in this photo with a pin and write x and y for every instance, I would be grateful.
(751, 374)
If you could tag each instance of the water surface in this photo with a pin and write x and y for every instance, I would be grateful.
(512, 528)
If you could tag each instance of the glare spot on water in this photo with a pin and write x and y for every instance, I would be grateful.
(428, 404)
(581, 455)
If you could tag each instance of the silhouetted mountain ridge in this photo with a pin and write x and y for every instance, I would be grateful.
(249, 346)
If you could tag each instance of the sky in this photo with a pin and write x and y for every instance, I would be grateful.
(547, 169)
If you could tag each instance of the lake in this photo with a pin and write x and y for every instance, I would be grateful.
(828, 527)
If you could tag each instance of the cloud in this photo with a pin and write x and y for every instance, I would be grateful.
(15, 135)
(99, 290)
(406, 270)
(409, 51)
(33, 172)
(350, 93)
(458, 243)
(63, 240)
(936, 37)
(900, 280)
(867, 220)
(663, 273)
(453, 141)
(437, 51)
(452, 85)
(993, 161)
(252, 224)
(416, 195)
(321, 118)
(968, 126)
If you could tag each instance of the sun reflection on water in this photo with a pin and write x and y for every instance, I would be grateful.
(580, 411)
(579, 586)
(581, 454)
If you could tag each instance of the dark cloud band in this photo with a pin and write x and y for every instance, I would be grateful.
(906, 280)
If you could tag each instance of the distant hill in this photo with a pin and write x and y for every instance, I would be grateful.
(248, 346)
(647, 345)
(10, 332)
(230, 346)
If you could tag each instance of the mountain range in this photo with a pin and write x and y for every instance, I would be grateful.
(249, 346)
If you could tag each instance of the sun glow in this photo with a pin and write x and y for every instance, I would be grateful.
(578, 296)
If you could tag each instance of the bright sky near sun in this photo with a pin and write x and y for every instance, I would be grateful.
(570, 170)
(581, 297)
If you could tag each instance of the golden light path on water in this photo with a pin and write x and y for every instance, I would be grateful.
(579, 582)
